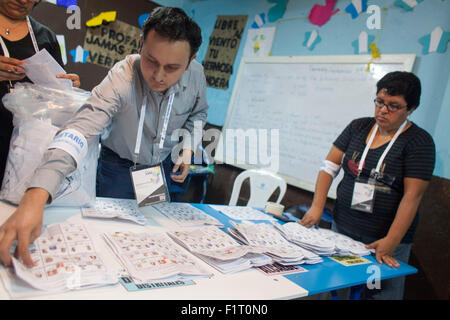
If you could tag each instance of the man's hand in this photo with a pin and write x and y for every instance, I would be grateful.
(24, 225)
(184, 165)
(71, 76)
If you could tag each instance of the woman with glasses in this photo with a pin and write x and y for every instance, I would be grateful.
(388, 162)
(20, 37)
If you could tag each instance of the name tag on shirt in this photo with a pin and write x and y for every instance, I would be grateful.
(149, 184)
(363, 196)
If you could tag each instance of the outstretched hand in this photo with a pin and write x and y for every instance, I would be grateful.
(312, 217)
(24, 225)
(71, 76)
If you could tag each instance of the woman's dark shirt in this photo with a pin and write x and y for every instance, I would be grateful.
(412, 155)
(22, 49)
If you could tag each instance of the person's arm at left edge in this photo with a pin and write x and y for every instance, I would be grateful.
(196, 119)
(414, 190)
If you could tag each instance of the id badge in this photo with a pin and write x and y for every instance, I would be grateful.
(149, 184)
(363, 195)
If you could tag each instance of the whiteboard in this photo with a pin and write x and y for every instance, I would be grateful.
(285, 112)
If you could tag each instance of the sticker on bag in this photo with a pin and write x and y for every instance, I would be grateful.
(73, 142)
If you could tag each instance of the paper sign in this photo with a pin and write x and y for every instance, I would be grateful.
(142, 18)
(130, 285)
(277, 11)
(436, 41)
(110, 44)
(356, 8)
(79, 54)
(108, 16)
(312, 38)
(408, 5)
(361, 45)
(276, 269)
(223, 46)
(259, 42)
(62, 47)
(63, 3)
(260, 20)
(320, 14)
(350, 260)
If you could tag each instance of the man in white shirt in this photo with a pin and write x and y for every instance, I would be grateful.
(164, 70)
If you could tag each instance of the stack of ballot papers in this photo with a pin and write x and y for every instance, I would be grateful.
(219, 249)
(64, 258)
(344, 245)
(242, 213)
(268, 240)
(125, 209)
(324, 242)
(186, 215)
(308, 238)
(153, 256)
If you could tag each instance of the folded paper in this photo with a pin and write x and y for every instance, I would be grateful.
(312, 38)
(436, 41)
(408, 5)
(356, 8)
(320, 14)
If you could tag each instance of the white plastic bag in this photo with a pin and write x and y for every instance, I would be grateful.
(39, 112)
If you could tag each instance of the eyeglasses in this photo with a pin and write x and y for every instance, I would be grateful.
(379, 103)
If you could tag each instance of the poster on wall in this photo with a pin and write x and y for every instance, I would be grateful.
(223, 46)
(108, 44)
(259, 42)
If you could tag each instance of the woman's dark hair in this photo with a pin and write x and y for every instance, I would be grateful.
(173, 23)
(403, 83)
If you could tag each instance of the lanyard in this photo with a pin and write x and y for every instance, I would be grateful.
(137, 148)
(366, 150)
(33, 39)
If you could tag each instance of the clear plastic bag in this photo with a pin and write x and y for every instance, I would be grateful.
(39, 112)
(41, 103)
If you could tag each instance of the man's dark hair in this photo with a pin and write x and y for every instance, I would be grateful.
(174, 24)
(402, 83)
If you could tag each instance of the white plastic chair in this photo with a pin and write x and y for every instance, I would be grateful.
(262, 185)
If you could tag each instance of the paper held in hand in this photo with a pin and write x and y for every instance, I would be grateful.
(42, 68)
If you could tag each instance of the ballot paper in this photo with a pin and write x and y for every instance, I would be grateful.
(345, 245)
(308, 238)
(242, 213)
(64, 258)
(125, 209)
(219, 249)
(184, 214)
(42, 68)
(324, 242)
(272, 243)
(153, 256)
